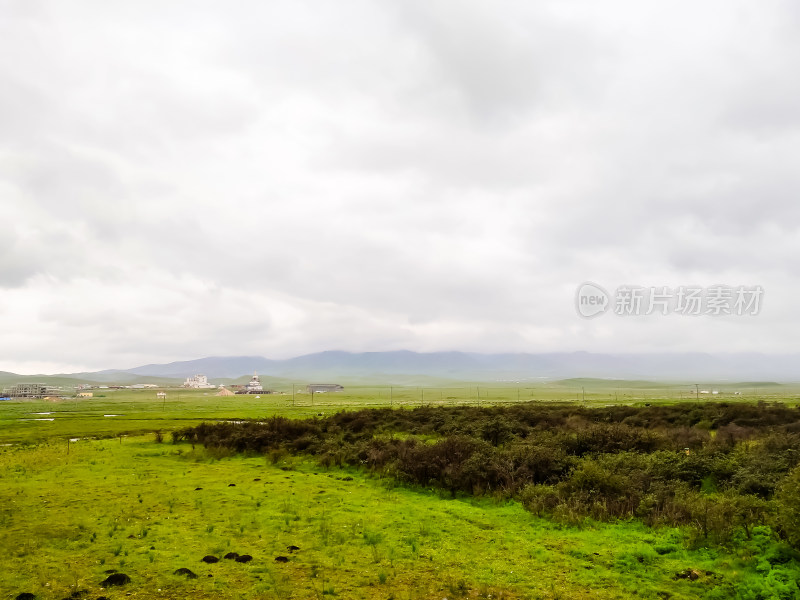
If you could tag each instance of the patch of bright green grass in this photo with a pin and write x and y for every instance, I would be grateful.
(139, 411)
(133, 506)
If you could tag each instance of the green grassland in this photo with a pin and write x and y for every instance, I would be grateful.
(114, 498)
(133, 506)
(138, 411)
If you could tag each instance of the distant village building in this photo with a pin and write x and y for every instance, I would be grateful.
(32, 390)
(161, 395)
(253, 387)
(197, 382)
(315, 388)
(224, 392)
(85, 394)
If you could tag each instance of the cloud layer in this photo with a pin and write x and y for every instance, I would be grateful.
(279, 178)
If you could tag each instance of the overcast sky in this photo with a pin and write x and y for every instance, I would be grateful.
(187, 179)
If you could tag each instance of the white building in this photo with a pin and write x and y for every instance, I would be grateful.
(254, 385)
(198, 382)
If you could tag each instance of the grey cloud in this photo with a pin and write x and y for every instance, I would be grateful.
(506, 61)
(16, 266)
(288, 177)
(53, 251)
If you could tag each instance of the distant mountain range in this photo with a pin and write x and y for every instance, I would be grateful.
(399, 366)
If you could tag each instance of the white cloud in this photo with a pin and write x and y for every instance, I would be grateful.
(281, 178)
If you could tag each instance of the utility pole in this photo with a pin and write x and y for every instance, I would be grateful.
(292, 394)
(583, 393)
(697, 391)
(391, 396)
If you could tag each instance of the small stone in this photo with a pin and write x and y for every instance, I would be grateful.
(185, 572)
(115, 579)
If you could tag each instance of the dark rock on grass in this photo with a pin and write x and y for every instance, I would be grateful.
(690, 574)
(78, 594)
(231, 555)
(257, 479)
(25, 596)
(107, 571)
(209, 559)
(281, 559)
(185, 572)
(231, 485)
(197, 489)
(115, 579)
(292, 548)
(348, 478)
(244, 558)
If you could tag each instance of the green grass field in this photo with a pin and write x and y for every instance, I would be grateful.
(69, 512)
(133, 506)
(138, 411)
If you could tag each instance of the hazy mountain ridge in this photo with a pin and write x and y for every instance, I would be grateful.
(335, 365)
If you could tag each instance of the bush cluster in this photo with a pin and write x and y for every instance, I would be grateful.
(721, 468)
